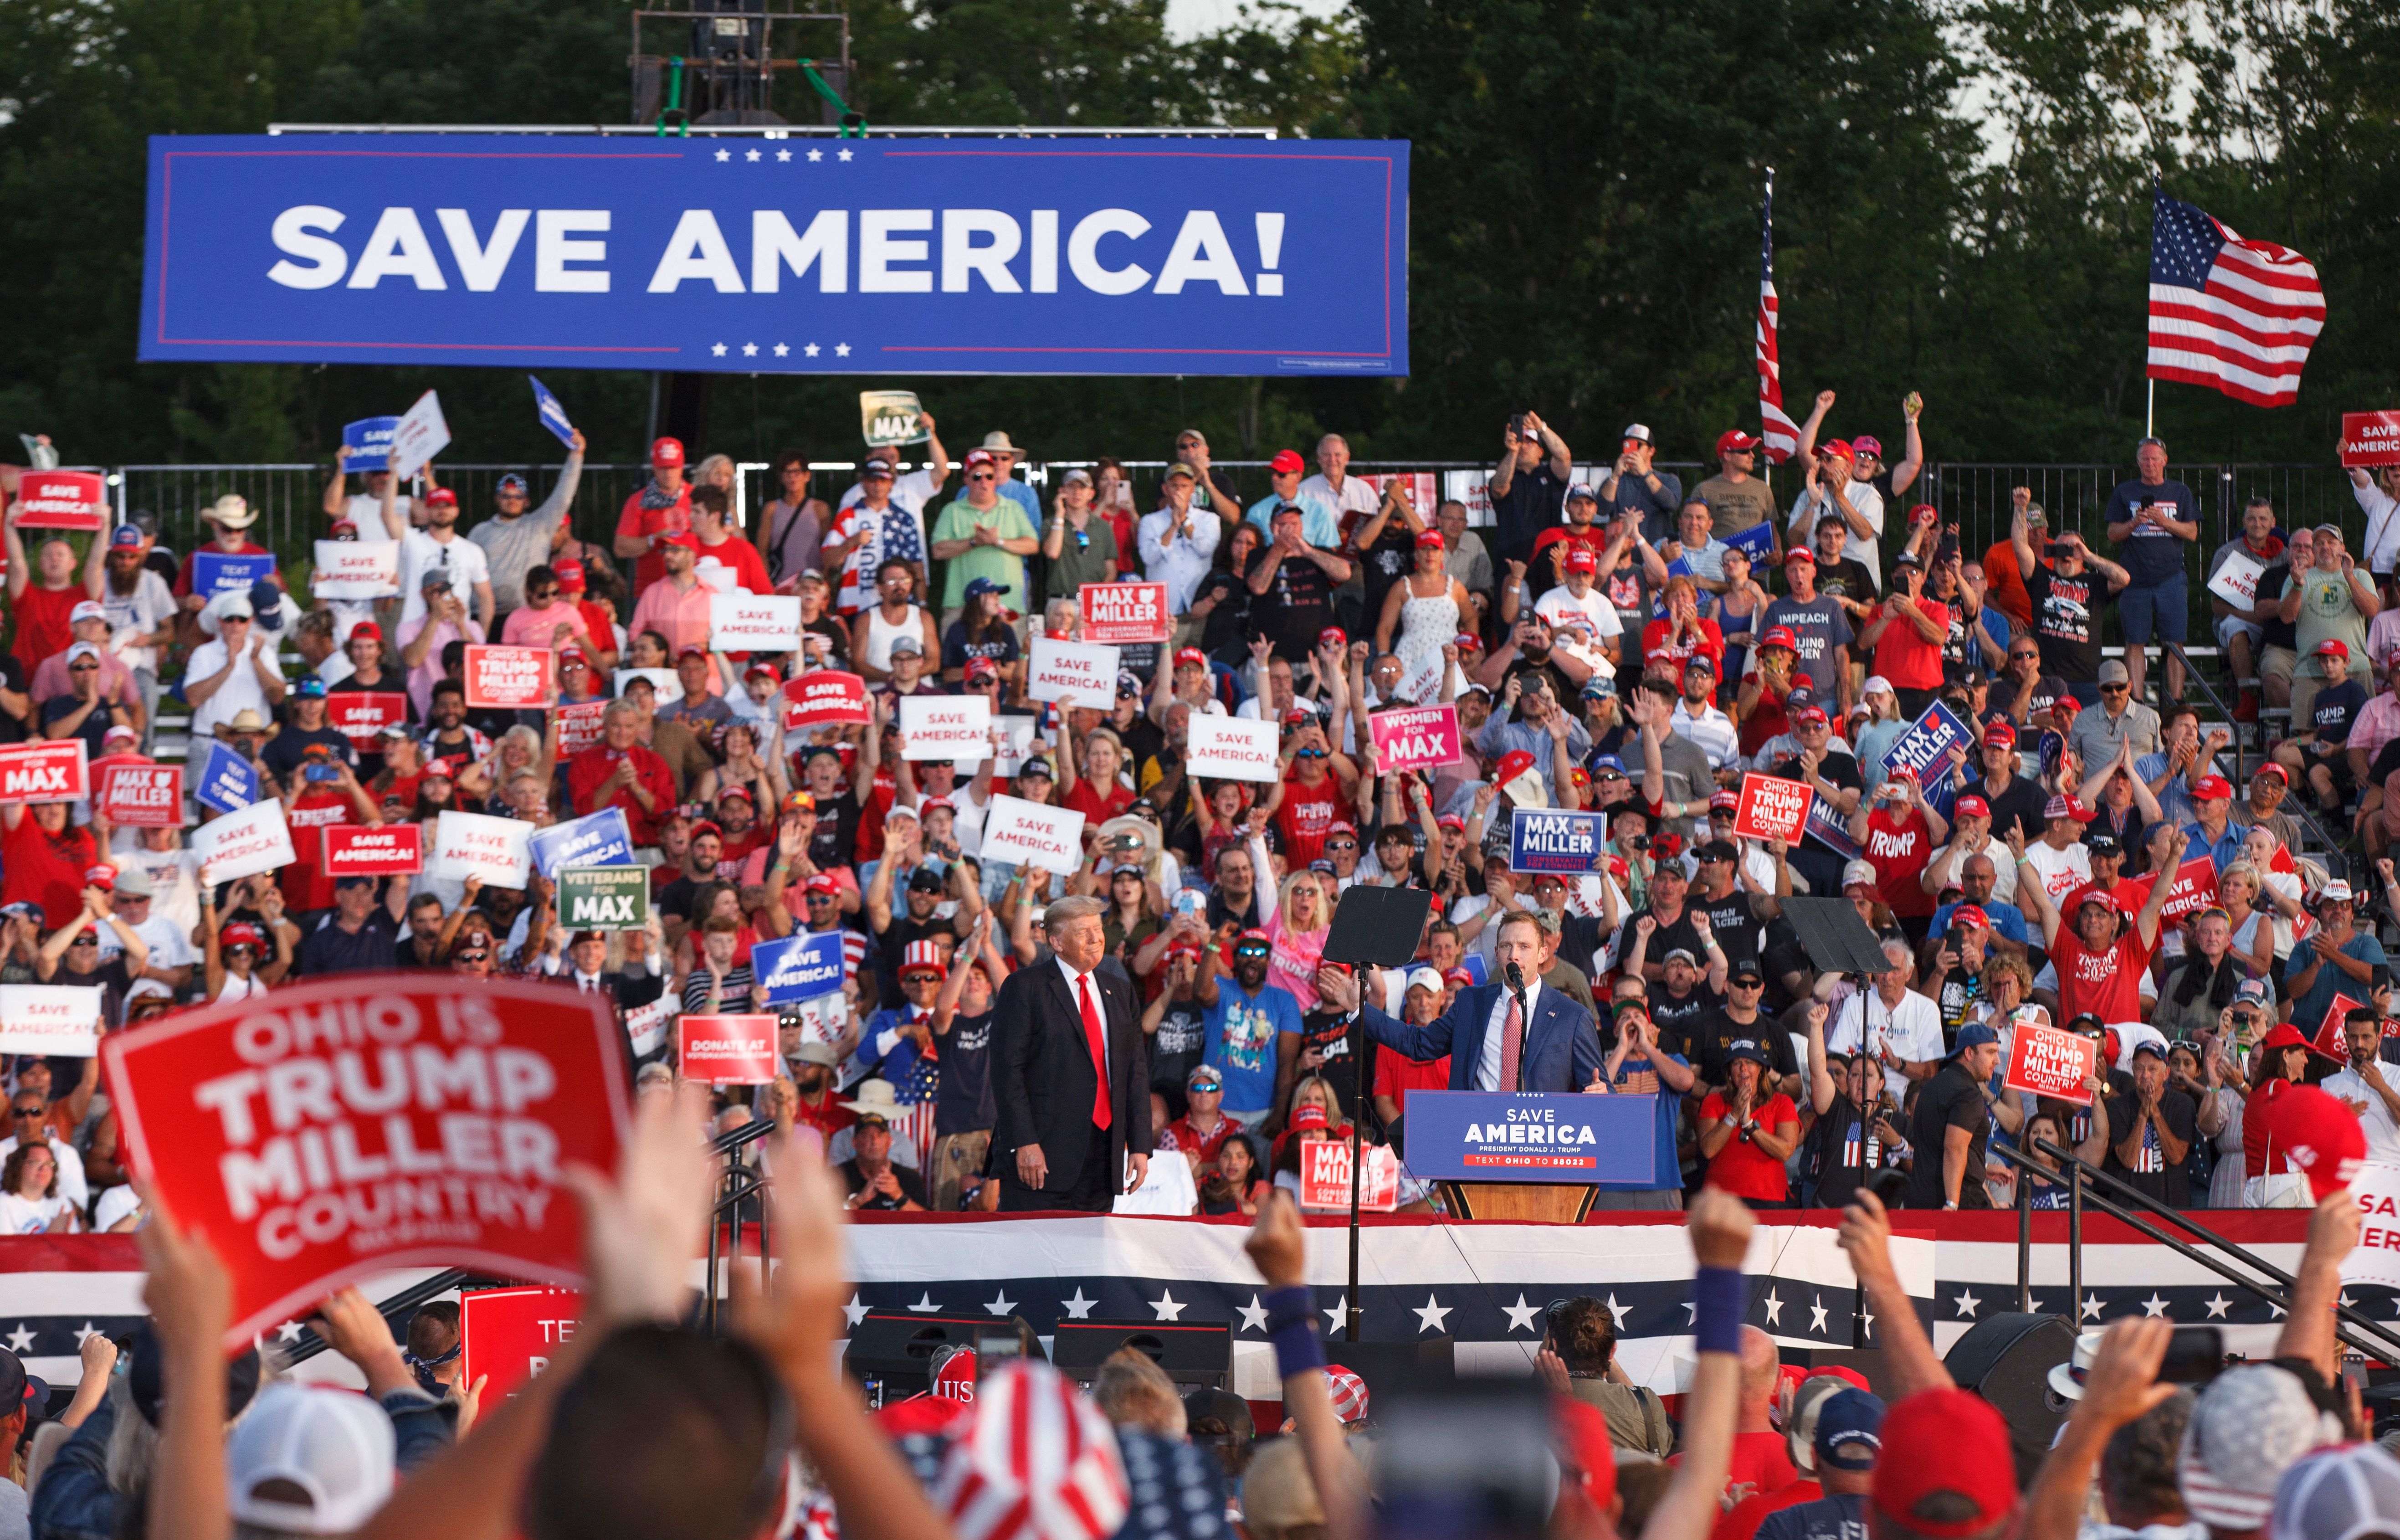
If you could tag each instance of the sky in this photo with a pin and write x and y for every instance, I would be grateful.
(1190, 18)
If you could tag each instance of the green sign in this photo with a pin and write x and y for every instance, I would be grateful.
(603, 898)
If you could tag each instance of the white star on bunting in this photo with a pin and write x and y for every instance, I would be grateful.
(2218, 1305)
(782, 349)
(1337, 1317)
(1967, 1302)
(718, 350)
(1618, 1311)
(1078, 1308)
(1521, 1315)
(1000, 1304)
(2154, 1306)
(752, 158)
(723, 155)
(749, 350)
(1817, 1315)
(817, 154)
(2090, 1305)
(841, 351)
(1254, 1316)
(783, 154)
(88, 1330)
(855, 1311)
(288, 1332)
(845, 155)
(925, 1305)
(1168, 1307)
(1774, 1308)
(1432, 1317)
(812, 349)
(22, 1339)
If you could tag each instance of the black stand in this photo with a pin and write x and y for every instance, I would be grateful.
(1376, 927)
(1838, 942)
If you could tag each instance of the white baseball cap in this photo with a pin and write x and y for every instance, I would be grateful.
(1425, 978)
(326, 1455)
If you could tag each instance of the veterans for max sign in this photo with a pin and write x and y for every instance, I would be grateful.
(343, 1127)
(43, 772)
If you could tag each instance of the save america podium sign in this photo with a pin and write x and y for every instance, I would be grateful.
(1124, 256)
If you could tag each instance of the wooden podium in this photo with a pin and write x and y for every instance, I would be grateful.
(1521, 1202)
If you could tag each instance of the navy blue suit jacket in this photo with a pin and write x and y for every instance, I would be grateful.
(1561, 1049)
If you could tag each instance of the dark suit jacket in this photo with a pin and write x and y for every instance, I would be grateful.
(1046, 1080)
(1561, 1049)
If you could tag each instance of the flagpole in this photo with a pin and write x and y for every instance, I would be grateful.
(2150, 416)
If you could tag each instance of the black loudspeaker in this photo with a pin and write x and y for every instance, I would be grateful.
(2006, 1360)
(1867, 1361)
(895, 1349)
(1428, 1368)
(1199, 1355)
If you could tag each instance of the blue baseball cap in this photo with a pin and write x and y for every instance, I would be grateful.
(309, 686)
(1604, 761)
(977, 586)
(126, 535)
(1849, 1420)
(1975, 1035)
(1601, 688)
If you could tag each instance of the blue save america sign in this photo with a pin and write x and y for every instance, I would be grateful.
(801, 967)
(1488, 1136)
(596, 839)
(1133, 256)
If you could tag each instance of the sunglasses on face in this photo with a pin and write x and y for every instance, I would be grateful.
(982, 476)
(24, 1111)
(2115, 689)
(1249, 951)
(1341, 844)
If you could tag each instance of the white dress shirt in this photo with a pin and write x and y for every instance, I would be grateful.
(2382, 1133)
(1912, 1029)
(1074, 993)
(1178, 561)
(1487, 1067)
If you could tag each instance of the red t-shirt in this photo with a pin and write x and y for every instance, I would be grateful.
(1397, 1075)
(304, 882)
(2258, 1158)
(1897, 850)
(37, 867)
(1096, 808)
(42, 629)
(1746, 1171)
(2007, 584)
(595, 764)
(1191, 1140)
(2107, 984)
(1670, 660)
(742, 557)
(1306, 818)
(1905, 658)
(633, 519)
(1766, 720)
(829, 1119)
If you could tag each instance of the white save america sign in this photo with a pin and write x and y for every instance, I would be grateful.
(471, 844)
(1073, 673)
(2236, 581)
(1232, 748)
(49, 1019)
(356, 569)
(1030, 834)
(240, 844)
(946, 727)
(754, 622)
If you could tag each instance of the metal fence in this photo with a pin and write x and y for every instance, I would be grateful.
(290, 497)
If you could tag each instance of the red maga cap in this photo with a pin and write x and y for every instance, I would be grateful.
(667, 452)
(1945, 1470)
(2316, 1132)
(1286, 462)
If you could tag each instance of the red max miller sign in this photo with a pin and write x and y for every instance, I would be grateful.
(1125, 612)
(384, 849)
(61, 499)
(140, 795)
(510, 677)
(43, 772)
(372, 1121)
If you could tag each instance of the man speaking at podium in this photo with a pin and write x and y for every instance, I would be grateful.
(1510, 1036)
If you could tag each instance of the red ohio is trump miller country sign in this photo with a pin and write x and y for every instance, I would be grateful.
(372, 1121)
(1124, 612)
(2047, 1062)
(1770, 809)
(510, 677)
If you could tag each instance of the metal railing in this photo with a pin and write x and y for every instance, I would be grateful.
(2373, 1338)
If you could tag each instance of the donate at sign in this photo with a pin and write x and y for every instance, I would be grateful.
(728, 1050)
(1486, 1135)
(372, 1121)
(1541, 839)
(1014, 256)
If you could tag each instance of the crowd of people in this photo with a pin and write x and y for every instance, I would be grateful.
(1611, 643)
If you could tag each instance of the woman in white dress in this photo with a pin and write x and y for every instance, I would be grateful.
(30, 1204)
(1424, 608)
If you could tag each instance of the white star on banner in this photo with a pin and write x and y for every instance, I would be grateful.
(89, 1330)
(752, 158)
(723, 155)
(817, 154)
(1432, 1317)
(1167, 1306)
(22, 1339)
(1774, 1309)
(749, 350)
(2154, 1306)
(782, 349)
(2217, 1304)
(1001, 1304)
(1967, 1302)
(841, 351)
(855, 1311)
(1078, 1308)
(783, 154)
(811, 349)
(1254, 1316)
(925, 1305)
(718, 350)
(1618, 1311)
(2278, 1310)
(288, 1332)
(1691, 1313)
(2090, 1305)
(2347, 1303)
(844, 156)
(1817, 1315)
(1521, 1315)
(1337, 1317)
(1866, 1318)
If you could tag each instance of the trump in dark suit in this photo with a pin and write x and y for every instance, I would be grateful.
(1559, 1049)
(1058, 1144)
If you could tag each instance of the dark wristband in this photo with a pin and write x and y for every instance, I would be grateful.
(1722, 1300)
(1291, 1326)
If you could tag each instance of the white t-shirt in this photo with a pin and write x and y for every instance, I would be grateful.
(1867, 503)
(241, 688)
(2062, 871)
(72, 1186)
(170, 944)
(28, 1216)
(143, 611)
(462, 558)
(1913, 1029)
(115, 1204)
(367, 513)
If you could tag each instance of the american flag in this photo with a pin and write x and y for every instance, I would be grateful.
(2236, 314)
(1783, 435)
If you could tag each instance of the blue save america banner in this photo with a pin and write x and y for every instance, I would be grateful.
(1137, 256)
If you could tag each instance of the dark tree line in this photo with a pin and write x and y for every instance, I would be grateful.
(1962, 208)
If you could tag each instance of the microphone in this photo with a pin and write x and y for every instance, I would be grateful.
(1516, 976)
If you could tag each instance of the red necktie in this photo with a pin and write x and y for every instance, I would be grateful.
(1512, 1046)
(1097, 1040)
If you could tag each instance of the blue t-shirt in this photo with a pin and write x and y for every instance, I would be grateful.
(1665, 1171)
(2336, 710)
(2008, 921)
(2309, 1010)
(1840, 1516)
(1245, 1036)
(2151, 555)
